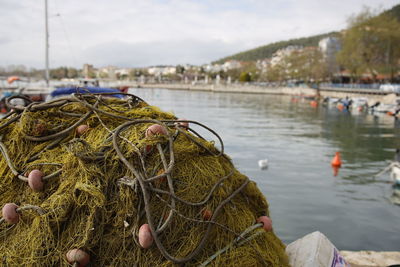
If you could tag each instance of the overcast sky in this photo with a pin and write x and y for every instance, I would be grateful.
(132, 33)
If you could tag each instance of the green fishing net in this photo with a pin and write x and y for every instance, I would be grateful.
(100, 185)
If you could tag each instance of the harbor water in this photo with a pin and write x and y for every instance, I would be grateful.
(353, 209)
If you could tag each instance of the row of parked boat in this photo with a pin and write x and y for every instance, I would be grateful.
(390, 105)
(21, 96)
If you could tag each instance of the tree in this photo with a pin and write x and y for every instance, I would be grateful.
(123, 76)
(92, 74)
(245, 77)
(180, 69)
(59, 73)
(371, 44)
(233, 73)
(304, 64)
(72, 73)
(103, 75)
(276, 73)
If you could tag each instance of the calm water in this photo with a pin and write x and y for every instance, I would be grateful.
(352, 209)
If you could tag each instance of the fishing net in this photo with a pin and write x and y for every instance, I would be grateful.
(101, 183)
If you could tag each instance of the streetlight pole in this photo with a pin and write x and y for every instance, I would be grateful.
(47, 76)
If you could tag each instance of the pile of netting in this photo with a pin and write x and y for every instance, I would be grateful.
(117, 182)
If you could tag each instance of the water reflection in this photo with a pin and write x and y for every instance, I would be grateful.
(299, 141)
(335, 170)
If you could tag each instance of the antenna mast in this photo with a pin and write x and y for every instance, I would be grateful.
(47, 76)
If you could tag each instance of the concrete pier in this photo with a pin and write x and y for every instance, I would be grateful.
(240, 88)
(376, 95)
(371, 258)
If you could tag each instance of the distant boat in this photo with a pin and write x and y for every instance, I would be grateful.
(395, 173)
(360, 102)
(85, 87)
(384, 108)
(62, 91)
(331, 101)
(394, 168)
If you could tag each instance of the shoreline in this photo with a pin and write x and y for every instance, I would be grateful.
(377, 95)
(322, 92)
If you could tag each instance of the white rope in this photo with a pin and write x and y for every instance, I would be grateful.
(388, 168)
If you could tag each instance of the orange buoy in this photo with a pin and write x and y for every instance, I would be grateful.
(340, 107)
(336, 161)
(314, 103)
(81, 129)
(78, 256)
(39, 129)
(206, 214)
(266, 221)
(10, 214)
(12, 79)
(145, 237)
(161, 180)
(153, 130)
(148, 149)
(156, 129)
(182, 123)
(35, 180)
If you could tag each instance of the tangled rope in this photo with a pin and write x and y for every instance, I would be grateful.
(151, 170)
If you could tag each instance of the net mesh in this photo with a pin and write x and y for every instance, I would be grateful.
(102, 185)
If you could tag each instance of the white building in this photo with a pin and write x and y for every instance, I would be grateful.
(87, 70)
(123, 71)
(284, 52)
(161, 70)
(231, 64)
(263, 64)
(329, 47)
(110, 71)
(212, 68)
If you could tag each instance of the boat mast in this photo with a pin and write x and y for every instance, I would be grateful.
(47, 77)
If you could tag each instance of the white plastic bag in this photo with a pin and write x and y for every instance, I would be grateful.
(314, 250)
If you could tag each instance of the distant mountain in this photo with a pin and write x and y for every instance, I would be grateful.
(267, 51)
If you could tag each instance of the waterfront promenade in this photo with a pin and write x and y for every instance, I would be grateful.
(373, 94)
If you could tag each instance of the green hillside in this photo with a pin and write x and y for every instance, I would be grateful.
(394, 11)
(266, 51)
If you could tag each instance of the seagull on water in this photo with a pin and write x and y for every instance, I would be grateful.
(263, 164)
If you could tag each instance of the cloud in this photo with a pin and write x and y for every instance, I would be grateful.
(159, 52)
(160, 31)
(4, 40)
